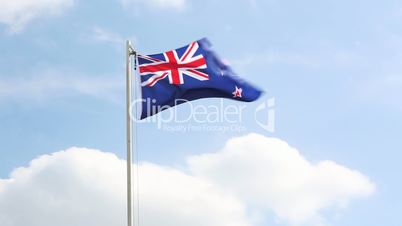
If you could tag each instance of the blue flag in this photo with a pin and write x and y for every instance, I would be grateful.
(188, 73)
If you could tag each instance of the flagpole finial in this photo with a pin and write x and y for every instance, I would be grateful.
(130, 48)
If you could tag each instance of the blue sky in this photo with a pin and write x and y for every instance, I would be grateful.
(333, 67)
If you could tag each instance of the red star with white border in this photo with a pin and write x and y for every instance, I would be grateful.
(237, 92)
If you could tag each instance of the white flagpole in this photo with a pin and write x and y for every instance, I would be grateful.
(129, 52)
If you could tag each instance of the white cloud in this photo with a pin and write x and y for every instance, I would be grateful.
(51, 83)
(383, 90)
(157, 4)
(107, 36)
(271, 58)
(17, 13)
(325, 57)
(268, 174)
(84, 187)
(251, 176)
(253, 4)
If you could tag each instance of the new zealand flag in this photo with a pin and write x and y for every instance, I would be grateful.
(188, 73)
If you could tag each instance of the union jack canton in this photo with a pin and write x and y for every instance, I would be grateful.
(185, 74)
(174, 67)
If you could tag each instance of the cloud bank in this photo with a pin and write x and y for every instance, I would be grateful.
(53, 83)
(18, 13)
(268, 174)
(250, 177)
(178, 5)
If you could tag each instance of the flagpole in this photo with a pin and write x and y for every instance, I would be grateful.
(129, 52)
